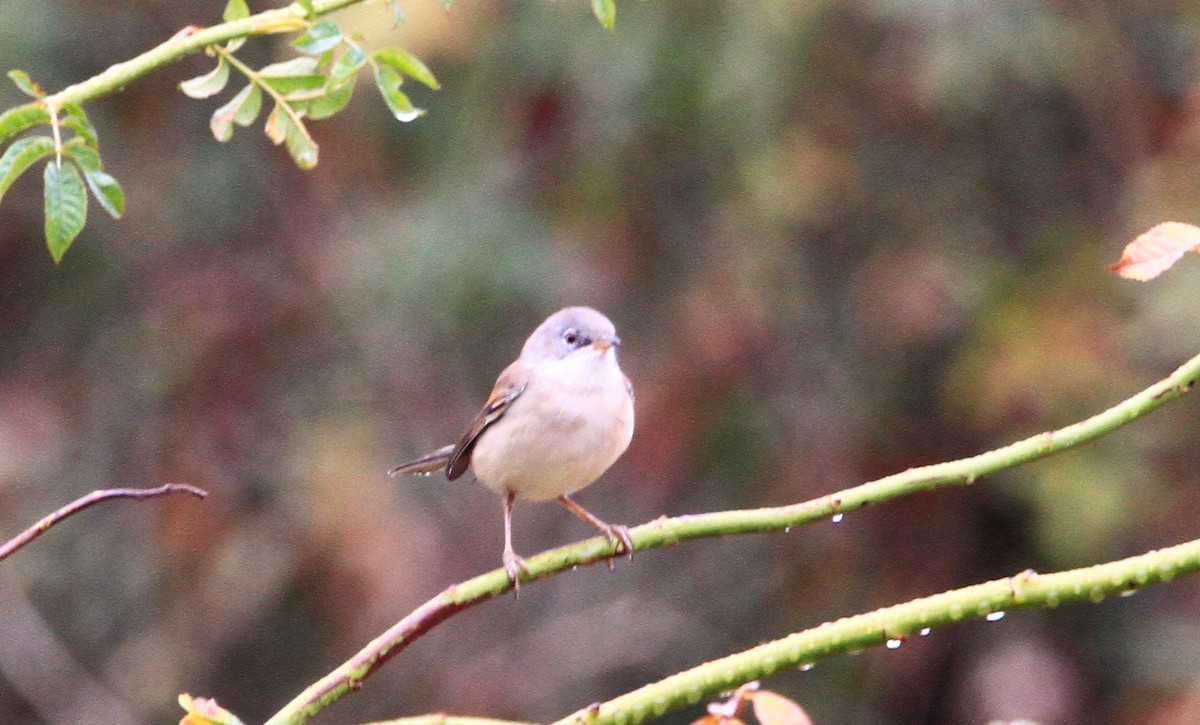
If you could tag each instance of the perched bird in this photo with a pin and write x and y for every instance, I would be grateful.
(557, 418)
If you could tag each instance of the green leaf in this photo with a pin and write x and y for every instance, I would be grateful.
(388, 81)
(107, 191)
(296, 87)
(86, 156)
(104, 187)
(75, 119)
(406, 63)
(303, 66)
(22, 118)
(236, 10)
(22, 154)
(282, 129)
(321, 37)
(309, 10)
(333, 101)
(242, 109)
(606, 12)
(66, 207)
(26, 84)
(347, 66)
(209, 84)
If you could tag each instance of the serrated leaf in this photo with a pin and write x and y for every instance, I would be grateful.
(408, 64)
(205, 711)
(66, 207)
(388, 82)
(74, 118)
(209, 84)
(242, 109)
(236, 10)
(606, 12)
(321, 37)
(347, 66)
(333, 101)
(26, 84)
(303, 66)
(22, 154)
(20, 119)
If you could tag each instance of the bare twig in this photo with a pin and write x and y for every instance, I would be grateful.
(91, 499)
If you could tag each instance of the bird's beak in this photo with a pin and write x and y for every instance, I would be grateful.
(603, 344)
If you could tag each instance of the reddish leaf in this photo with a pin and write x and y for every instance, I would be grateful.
(1154, 252)
(718, 720)
(205, 711)
(774, 709)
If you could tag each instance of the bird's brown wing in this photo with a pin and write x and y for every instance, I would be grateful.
(509, 387)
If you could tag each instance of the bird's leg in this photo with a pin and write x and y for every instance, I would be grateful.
(616, 533)
(513, 564)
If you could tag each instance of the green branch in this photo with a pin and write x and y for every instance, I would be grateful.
(666, 532)
(892, 625)
(279, 20)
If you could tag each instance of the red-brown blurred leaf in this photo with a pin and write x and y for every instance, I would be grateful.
(718, 720)
(774, 709)
(1154, 252)
(205, 711)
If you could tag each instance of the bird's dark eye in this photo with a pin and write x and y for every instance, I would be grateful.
(571, 336)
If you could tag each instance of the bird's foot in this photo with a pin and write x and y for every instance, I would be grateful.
(515, 566)
(619, 536)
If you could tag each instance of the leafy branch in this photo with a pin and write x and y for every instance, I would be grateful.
(890, 625)
(315, 86)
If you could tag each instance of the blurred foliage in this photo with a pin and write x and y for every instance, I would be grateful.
(839, 238)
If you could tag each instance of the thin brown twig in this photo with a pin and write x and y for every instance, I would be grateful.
(95, 497)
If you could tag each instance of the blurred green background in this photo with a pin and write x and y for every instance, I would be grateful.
(839, 238)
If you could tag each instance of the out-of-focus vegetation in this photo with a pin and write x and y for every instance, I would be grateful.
(839, 239)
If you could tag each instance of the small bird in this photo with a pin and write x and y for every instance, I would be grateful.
(557, 418)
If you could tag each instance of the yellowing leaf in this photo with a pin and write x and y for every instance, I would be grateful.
(606, 12)
(774, 709)
(205, 711)
(26, 84)
(1157, 250)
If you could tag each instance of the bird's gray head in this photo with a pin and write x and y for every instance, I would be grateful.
(568, 330)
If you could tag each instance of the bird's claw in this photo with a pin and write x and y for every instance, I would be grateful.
(619, 536)
(515, 566)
